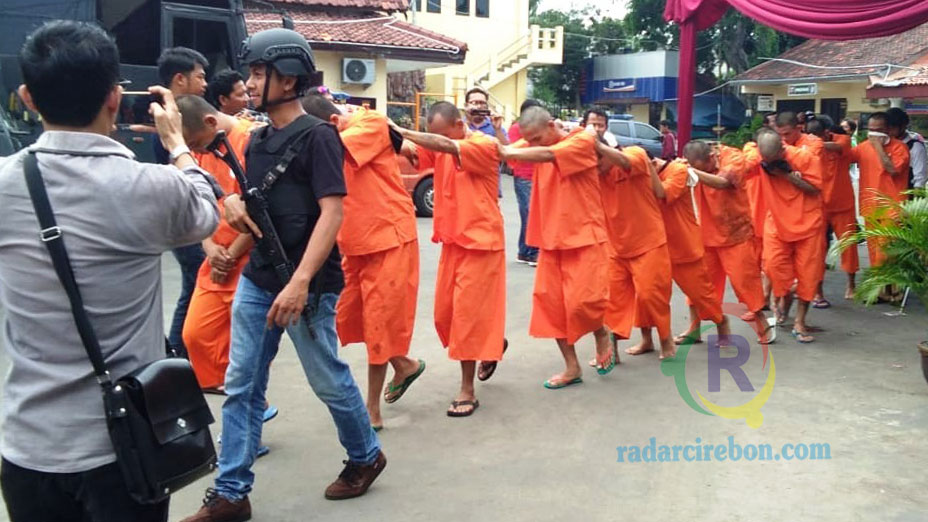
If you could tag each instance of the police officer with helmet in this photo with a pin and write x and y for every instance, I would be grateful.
(305, 205)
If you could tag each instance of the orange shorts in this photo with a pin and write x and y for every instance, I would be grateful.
(801, 261)
(570, 293)
(737, 263)
(470, 303)
(693, 278)
(759, 252)
(639, 293)
(378, 305)
(843, 223)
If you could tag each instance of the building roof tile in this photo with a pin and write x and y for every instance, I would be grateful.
(380, 5)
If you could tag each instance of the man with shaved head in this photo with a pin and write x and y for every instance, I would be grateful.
(727, 229)
(791, 181)
(470, 292)
(567, 223)
(380, 253)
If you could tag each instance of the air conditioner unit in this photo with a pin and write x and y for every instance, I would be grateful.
(358, 71)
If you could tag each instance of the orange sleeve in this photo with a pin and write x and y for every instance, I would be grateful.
(900, 158)
(365, 138)
(845, 141)
(426, 158)
(575, 154)
(674, 181)
(802, 160)
(732, 165)
(752, 160)
(479, 155)
(854, 154)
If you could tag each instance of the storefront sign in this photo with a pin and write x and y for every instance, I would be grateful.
(802, 89)
(765, 103)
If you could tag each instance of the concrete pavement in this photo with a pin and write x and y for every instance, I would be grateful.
(531, 454)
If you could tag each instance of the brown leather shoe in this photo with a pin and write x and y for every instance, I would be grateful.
(221, 509)
(355, 479)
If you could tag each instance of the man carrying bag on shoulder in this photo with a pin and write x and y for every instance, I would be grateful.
(115, 217)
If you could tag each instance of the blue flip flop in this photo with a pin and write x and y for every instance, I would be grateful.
(799, 337)
(262, 451)
(563, 384)
(269, 413)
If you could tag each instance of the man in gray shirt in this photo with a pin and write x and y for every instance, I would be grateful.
(117, 217)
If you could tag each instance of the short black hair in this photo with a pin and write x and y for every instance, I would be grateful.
(319, 106)
(69, 68)
(815, 126)
(222, 84)
(447, 110)
(192, 110)
(787, 118)
(473, 90)
(882, 116)
(529, 102)
(181, 60)
(599, 112)
(897, 118)
(666, 123)
(697, 151)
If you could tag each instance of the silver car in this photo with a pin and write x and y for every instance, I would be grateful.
(630, 132)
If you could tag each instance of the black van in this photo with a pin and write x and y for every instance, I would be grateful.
(142, 29)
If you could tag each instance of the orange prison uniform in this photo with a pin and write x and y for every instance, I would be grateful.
(639, 264)
(378, 243)
(794, 227)
(208, 327)
(754, 188)
(875, 180)
(684, 241)
(567, 224)
(470, 292)
(838, 193)
(728, 232)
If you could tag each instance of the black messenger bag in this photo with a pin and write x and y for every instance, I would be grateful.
(157, 417)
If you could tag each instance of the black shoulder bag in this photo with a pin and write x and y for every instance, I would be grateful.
(157, 417)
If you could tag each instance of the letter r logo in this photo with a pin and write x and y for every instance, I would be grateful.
(732, 365)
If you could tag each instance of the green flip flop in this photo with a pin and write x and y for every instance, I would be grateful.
(562, 384)
(401, 389)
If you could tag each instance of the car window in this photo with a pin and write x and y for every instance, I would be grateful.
(646, 132)
(620, 128)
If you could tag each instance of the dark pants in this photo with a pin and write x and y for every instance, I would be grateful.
(190, 258)
(523, 188)
(98, 495)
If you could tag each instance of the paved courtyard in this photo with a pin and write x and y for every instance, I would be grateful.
(531, 454)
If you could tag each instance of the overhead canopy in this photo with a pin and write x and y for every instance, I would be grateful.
(821, 19)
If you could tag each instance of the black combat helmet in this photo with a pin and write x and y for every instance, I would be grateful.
(286, 51)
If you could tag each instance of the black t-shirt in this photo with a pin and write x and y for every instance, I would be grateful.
(318, 166)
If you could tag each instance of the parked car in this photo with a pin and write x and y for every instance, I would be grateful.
(630, 132)
(420, 186)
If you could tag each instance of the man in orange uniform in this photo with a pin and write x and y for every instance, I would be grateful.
(727, 228)
(838, 197)
(687, 252)
(884, 167)
(470, 292)
(639, 263)
(380, 253)
(566, 222)
(795, 223)
(754, 189)
(207, 329)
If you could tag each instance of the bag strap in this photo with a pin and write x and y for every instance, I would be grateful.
(51, 235)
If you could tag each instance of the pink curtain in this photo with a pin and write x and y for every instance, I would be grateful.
(820, 19)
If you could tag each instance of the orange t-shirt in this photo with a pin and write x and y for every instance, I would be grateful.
(794, 215)
(754, 187)
(466, 209)
(565, 209)
(224, 235)
(378, 212)
(633, 215)
(839, 197)
(725, 214)
(873, 177)
(684, 240)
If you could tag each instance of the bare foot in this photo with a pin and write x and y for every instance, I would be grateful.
(668, 349)
(640, 348)
(563, 379)
(691, 336)
(849, 292)
(376, 418)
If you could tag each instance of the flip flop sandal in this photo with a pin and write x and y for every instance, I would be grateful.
(803, 338)
(490, 367)
(262, 451)
(269, 413)
(401, 389)
(821, 304)
(377, 428)
(216, 390)
(468, 413)
(605, 369)
(770, 331)
(686, 339)
(557, 385)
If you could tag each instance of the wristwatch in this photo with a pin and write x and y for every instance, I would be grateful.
(179, 151)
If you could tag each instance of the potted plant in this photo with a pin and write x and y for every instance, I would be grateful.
(902, 228)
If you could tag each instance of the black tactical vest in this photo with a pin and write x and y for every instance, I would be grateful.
(291, 202)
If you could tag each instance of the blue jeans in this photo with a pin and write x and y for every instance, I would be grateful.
(189, 258)
(524, 195)
(253, 347)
